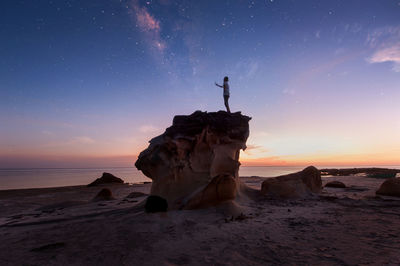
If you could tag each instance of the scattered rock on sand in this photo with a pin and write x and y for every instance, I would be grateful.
(300, 184)
(197, 149)
(106, 178)
(391, 187)
(335, 184)
(156, 204)
(104, 194)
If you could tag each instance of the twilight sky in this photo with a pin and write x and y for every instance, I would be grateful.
(88, 83)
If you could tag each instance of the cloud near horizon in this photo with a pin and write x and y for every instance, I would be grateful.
(82, 140)
(148, 129)
(78, 140)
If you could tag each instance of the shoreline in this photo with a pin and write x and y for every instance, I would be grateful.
(66, 187)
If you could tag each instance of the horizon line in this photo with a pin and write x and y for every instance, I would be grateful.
(105, 167)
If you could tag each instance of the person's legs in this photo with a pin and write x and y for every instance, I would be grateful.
(226, 98)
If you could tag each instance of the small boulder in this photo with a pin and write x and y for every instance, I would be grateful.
(104, 194)
(106, 178)
(311, 177)
(391, 187)
(275, 188)
(296, 185)
(156, 204)
(335, 184)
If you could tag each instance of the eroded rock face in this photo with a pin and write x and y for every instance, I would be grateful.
(195, 162)
(296, 185)
(390, 187)
(221, 188)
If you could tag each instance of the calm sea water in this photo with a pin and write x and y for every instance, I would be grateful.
(57, 177)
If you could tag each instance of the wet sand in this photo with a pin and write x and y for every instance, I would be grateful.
(58, 226)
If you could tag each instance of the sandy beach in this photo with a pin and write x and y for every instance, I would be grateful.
(59, 226)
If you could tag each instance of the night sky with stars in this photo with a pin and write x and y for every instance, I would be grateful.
(88, 83)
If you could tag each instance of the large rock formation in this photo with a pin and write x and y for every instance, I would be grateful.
(195, 162)
(296, 185)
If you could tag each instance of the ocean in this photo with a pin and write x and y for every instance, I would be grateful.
(58, 177)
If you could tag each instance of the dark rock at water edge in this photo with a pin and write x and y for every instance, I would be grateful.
(156, 204)
(383, 174)
(370, 172)
(106, 178)
(104, 194)
(335, 184)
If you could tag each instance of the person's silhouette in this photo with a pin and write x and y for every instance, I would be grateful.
(225, 86)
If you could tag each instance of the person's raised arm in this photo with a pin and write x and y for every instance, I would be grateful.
(218, 85)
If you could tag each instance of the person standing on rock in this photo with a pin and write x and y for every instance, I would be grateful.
(225, 86)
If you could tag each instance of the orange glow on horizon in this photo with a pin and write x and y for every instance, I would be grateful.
(378, 159)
